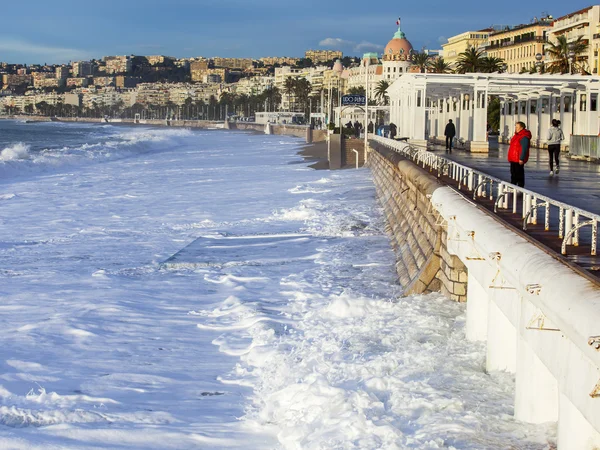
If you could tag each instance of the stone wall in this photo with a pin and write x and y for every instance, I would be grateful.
(349, 157)
(417, 232)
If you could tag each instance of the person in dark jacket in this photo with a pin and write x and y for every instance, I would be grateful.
(518, 154)
(393, 130)
(356, 128)
(449, 132)
(370, 127)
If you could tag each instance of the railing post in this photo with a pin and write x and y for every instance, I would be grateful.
(594, 237)
(569, 225)
(576, 234)
(514, 197)
(547, 217)
(534, 216)
(561, 223)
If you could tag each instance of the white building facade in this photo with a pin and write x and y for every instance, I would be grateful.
(422, 104)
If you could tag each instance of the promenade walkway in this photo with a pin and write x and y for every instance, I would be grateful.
(578, 183)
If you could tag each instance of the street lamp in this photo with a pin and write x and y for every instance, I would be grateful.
(571, 56)
(538, 62)
(366, 127)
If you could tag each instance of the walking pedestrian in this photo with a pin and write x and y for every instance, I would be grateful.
(555, 135)
(518, 154)
(449, 132)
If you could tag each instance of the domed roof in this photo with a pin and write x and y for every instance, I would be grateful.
(338, 67)
(399, 48)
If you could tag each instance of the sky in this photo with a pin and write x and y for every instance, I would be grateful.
(65, 30)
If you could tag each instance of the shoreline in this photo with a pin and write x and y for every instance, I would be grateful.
(314, 153)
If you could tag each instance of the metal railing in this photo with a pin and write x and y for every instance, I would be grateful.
(505, 196)
(587, 146)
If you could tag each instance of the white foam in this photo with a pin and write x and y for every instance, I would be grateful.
(15, 152)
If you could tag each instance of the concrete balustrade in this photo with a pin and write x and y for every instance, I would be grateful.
(537, 315)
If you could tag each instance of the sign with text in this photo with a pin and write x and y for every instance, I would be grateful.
(354, 100)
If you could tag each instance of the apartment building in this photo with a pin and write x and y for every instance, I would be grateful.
(584, 23)
(62, 72)
(12, 80)
(272, 60)
(233, 63)
(356, 77)
(319, 56)
(103, 81)
(461, 42)
(122, 81)
(159, 59)
(118, 64)
(106, 96)
(518, 45)
(153, 94)
(82, 69)
(54, 83)
(77, 82)
(198, 70)
(254, 85)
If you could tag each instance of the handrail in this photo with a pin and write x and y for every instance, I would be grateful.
(531, 200)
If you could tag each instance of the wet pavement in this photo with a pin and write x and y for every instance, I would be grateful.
(578, 183)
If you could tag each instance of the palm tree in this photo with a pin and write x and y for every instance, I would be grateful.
(421, 60)
(288, 88)
(302, 90)
(272, 96)
(559, 54)
(438, 65)
(471, 60)
(380, 92)
(357, 90)
(490, 64)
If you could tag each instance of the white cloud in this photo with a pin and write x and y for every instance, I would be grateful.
(41, 52)
(335, 42)
(365, 46)
(442, 40)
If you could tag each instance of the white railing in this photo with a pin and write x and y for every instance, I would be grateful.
(505, 195)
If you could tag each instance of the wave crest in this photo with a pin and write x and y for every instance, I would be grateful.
(15, 152)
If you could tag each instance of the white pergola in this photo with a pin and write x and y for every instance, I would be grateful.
(422, 104)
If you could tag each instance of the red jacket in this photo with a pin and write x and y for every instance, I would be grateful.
(515, 151)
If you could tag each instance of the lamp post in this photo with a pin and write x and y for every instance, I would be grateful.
(538, 63)
(571, 56)
(367, 62)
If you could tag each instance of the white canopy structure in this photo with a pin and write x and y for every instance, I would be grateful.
(422, 104)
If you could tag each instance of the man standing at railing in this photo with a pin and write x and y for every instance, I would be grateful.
(518, 154)
(449, 132)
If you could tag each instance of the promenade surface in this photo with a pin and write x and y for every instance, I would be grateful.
(578, 183)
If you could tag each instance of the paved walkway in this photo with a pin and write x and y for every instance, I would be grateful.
(578, 183)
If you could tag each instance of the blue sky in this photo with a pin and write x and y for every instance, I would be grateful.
(39, 31)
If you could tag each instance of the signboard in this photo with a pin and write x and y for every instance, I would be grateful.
(354, 100)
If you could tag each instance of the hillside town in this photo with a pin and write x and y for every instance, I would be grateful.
(157, 87)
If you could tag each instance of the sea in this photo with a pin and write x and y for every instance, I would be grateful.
(168, 288)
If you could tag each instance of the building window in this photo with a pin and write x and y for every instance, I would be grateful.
(593, 102)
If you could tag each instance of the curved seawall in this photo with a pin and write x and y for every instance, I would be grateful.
(539, 317)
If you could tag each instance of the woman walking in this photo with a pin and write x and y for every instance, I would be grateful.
(555, 135)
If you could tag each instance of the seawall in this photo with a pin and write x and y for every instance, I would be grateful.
(539, 317)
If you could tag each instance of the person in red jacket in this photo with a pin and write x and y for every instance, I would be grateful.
(518, 154)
